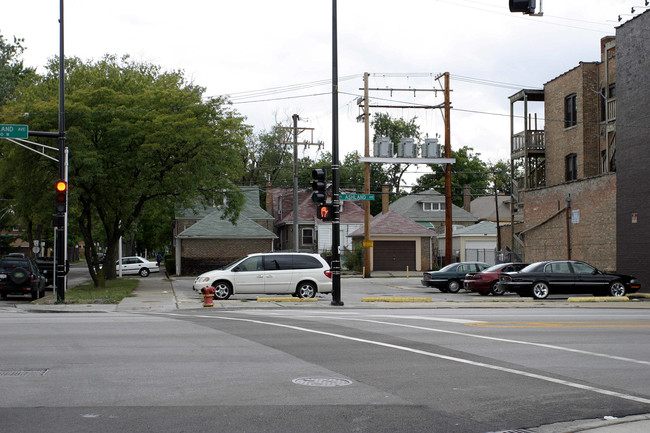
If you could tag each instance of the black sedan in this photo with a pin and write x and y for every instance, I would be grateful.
(451, 277)
(566, 276)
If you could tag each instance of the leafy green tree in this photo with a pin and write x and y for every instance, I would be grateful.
(468, 169)
(140, 138)
(12, 70)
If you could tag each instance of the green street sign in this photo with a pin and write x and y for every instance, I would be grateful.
(357, 197)
(14, 131)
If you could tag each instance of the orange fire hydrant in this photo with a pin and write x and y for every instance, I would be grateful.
(208, 296)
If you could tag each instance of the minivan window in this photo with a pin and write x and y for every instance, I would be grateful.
(278, 262)
(306, 262)
(250, 264)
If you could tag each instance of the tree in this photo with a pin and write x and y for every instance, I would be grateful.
(12, 70)
(467, 170)
(139, 138)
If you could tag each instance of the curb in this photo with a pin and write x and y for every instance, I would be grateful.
(291, 299)
(599, 299)
(391, 299)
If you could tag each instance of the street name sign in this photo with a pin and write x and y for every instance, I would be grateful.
(357, 197)
(14, 131)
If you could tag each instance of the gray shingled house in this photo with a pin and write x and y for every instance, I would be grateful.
(427, 208)
(205, 241)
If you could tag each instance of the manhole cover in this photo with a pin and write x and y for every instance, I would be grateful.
(18, 373)
(321, 381)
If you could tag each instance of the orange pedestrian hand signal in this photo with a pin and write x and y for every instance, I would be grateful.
(325, 212)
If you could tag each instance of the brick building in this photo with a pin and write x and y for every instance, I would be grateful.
(568, 194)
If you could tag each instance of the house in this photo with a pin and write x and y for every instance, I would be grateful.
(427, 208)
(567, 189)
(485, 208)
(314, 235)
(204, 240)
(477, 242)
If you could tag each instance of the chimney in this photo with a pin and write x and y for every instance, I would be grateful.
(467, 197)
(384, 199)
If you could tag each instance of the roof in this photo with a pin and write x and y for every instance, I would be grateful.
(250, 209)
(484, 228)
(214, 226)
(483, 208)
(352, 213)
(392, 223)
(411, 207)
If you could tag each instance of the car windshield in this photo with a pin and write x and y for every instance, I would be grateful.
(530, 268)
(232, 264)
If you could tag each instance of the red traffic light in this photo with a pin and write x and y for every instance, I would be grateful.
(61, 186)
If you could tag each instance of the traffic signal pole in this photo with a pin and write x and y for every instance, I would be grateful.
(336, 222)
(61, 238)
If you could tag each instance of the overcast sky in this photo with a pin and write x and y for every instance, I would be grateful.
(258, 50)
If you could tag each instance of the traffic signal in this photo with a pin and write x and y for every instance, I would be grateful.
(319, 185)
(525, 6)
(61, 196)
(325, 212)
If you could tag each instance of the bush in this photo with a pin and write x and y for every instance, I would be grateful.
(170, 264)
(354, 259)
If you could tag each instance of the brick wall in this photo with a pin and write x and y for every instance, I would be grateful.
(633, 147)
(593, 238)
(581, 139)
(202, 255)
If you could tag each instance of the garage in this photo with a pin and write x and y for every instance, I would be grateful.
(393, 255)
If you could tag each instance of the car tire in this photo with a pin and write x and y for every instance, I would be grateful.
(306, 289)
(616, 289)
(19, 276)
(144, 272)
(453, 286)
(495, 289)
(35, 294)
(443, 290)
(540, 290)
(222, 290)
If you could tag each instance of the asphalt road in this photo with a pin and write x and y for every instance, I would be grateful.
(334, 370)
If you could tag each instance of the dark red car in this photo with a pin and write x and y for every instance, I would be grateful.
(485, 282)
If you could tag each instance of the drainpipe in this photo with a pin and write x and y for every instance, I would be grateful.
(568, 226)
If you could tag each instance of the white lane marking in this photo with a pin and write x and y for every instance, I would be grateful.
(483, 337)
(440, 356)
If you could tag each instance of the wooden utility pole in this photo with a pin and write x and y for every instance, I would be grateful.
(367, 160)
(448, 209)
(295, 131)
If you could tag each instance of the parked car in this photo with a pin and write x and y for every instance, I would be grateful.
(451, 277)
(487, 281)
(566, 276)
(300, 274)
(136, 265)
(20, 275)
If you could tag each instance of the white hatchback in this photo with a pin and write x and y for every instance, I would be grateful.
(300, 274)
(136, 265)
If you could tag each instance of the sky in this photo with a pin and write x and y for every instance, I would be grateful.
(274, 58)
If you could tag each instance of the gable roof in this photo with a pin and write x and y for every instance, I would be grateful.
(411, 206)
(484, 228)
(250, 209)
(484, 207)
(392, 223)
(282, 206)
(214, 226)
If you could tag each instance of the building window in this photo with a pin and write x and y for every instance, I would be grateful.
(571, 167)
(430, 207)
(612, 91)
(307, 236)
(570, 111)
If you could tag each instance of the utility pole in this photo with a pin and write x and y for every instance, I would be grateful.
(447, 160)
(292, 133)
(336, 222)
(448, 209)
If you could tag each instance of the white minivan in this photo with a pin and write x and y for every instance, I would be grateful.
(300, 274)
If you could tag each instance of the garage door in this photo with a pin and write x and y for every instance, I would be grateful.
(393, 255)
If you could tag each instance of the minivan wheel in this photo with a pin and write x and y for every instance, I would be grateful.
(540, 290)
(306, 290)
(222, 290)
(617, 289)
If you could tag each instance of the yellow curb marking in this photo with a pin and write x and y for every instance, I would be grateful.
(389, 299)
(599, 299)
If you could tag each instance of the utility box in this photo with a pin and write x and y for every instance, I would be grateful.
(383, 148)
(431, 148)
(406, 148)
